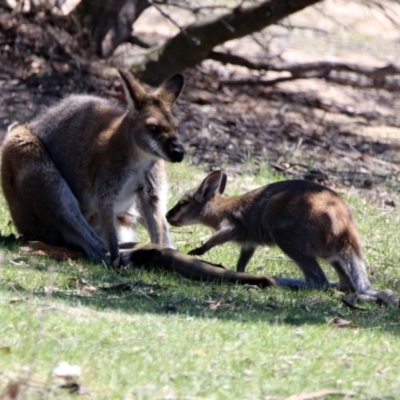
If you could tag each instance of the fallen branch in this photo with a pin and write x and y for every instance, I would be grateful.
(137, 41)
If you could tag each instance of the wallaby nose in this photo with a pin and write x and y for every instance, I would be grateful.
(176, 151)
(169, 217)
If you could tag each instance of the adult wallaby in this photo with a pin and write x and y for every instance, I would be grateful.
(306, 220)
(87, 167)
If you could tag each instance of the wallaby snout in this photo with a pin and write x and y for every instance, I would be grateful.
(305, 220)
(185, 212)
(171, 218)
(175, 150)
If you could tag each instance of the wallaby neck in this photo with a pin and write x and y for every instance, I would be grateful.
(220, 210)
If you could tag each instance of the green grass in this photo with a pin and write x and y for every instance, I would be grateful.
(157, 338)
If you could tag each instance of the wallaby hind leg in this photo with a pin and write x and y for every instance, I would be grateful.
(312, 271)
(73, 227)
(352, 273)
(345, 283)
(296, 249)
(65, 218)
(41, 203)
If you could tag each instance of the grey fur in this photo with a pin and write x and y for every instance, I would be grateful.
(102, 173)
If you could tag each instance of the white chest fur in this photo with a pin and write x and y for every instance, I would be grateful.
(135, 181)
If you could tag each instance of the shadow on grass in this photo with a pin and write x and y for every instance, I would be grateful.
(139, 291)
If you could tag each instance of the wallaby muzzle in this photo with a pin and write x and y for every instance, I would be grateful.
(169, 216)
(175, 150)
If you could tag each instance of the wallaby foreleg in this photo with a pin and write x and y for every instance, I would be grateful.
(154, 220)
(245, 255)
(166, 237)
(109, 233)
(219, 237)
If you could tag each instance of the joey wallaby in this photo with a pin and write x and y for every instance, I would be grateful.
(304, 219)
(88, 167)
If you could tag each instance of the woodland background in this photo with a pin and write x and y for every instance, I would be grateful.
(313, 95)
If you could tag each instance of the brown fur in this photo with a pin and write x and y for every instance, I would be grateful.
(306, 220)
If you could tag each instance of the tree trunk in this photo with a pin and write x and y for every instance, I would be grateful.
(109, 22)
(4, 5)
(193, 44)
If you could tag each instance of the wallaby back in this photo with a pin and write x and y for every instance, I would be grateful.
(306, 220)
(110, 157)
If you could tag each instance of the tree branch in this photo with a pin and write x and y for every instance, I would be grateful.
(337, 72)
(180, 52)
(137, 41)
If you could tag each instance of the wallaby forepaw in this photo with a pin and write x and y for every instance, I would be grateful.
(116, 261)
(196, 252)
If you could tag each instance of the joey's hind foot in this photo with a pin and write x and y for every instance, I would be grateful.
(385, 297)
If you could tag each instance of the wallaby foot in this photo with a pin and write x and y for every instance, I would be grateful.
(384, 297)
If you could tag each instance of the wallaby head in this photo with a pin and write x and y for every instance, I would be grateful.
(189, 209)
(154, 125)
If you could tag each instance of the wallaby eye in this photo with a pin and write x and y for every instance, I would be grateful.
(153, 129)
(183, 203)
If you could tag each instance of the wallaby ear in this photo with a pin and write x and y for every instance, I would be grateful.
(134, 91)
(170, 89)
(223, 183)
(210, 185)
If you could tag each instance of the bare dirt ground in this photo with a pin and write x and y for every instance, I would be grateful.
(306, 128)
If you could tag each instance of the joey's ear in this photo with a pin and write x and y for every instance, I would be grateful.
(209, 186)
(223, 183)
(170, 89)
(135, 93)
